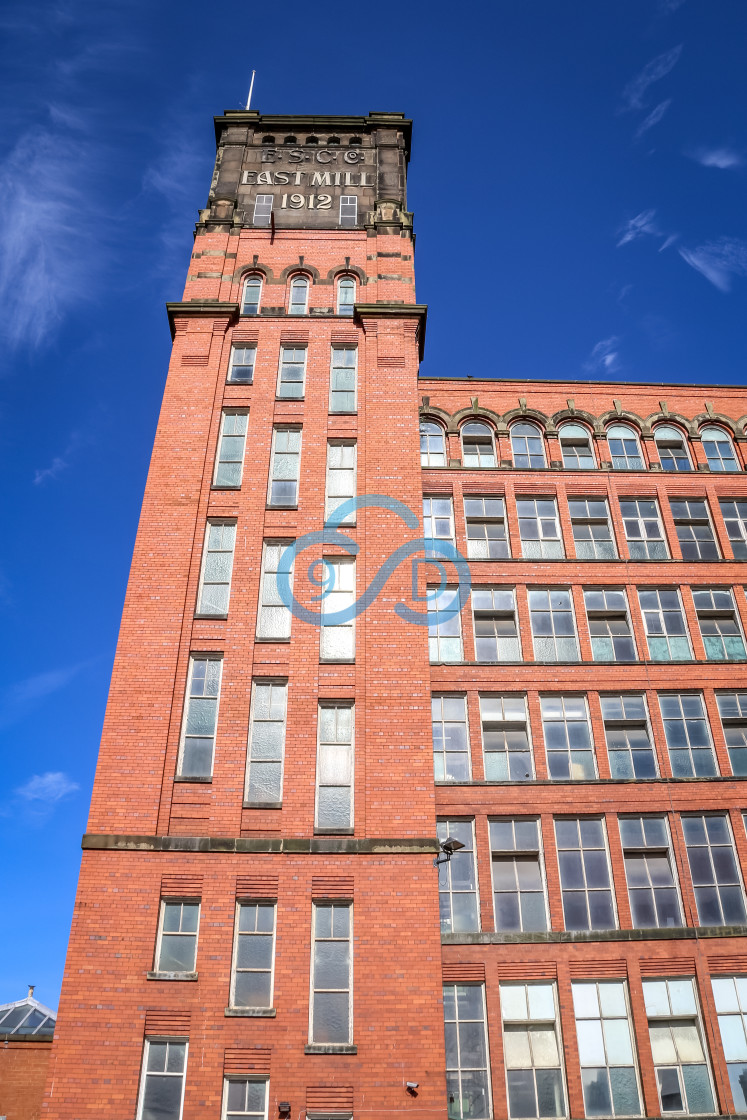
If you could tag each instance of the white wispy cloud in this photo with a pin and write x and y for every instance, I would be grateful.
(653, 118)
(40, 685)
(666, 7)
(723, 158)
(719, 261)
(641, 225)
(634, 94)
(59, 463)
(48, 788)
(605, 356)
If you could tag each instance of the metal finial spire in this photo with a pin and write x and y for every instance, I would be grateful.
(251, 87)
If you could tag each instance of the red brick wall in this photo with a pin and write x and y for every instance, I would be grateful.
(23, 1072)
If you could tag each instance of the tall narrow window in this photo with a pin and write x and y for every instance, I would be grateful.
(719, 450)
(438, 522)
(217, 565)
(609, 625)
(176, 950)
(605, 1049)
(672, 447)
(576, 449)
(334, 767)
(432, 444)
(264, 782)
(568, 742)
(624, 448)
(242, 364)
(478, 449)
(444, 625)
(539, 529)
(719, 894)
(299, 296)
(467, 1058)
(553, 625)
(676, 1034)
(694, 529)
(292, 372)
(734, 513)
(244, 1098)
(688, 735)
(331, 1018)
(343, 379)
(285, 467)
(592, 531)
(730, 996)
(496, 632)
(253, 955)
(274, 617)
(348, 210)
(337, 641)
(345, 295)
(528, 446)
(162, 1079)
(252, 295)
(457, 880)
(664, 623)
(649, 870)
(263, 209)
(229, 460)
(532, 1050)
(450, 739)
(628, 735)
(505, 738)
(585, 878)
(341, 478)
(732, 707)
(519, 894)
(200, 717)
(719, 624)
(644, 531)
(487, 537)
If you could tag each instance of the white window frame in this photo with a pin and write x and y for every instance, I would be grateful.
(434, 634)
(640, 520)
(697, 1019)
(332, 387)
(479, 445)
(337, 599)
(690, 521)
(331, 472)
(346, 280)
(473, 551)
(588, 519)
(604, 615)
(518, 851)
(236, 1077)
(181, 1041)
(649, 731)
(612, 886)
(652, 848)
(492, 695)
(297, 282)
(225, 414)
(557, 1026)
(684, 439)
(334, 705)
(459, 1069)
(541, 540)
(168, 901)
(272, 682)
(724, 814)
(522, 435)
(235, 951)
(206, 552)
(445, 825)
(679, 694)
(661, 613)
(348, 208)
(612, 433)
(260, 206)
(261, 605)
(193, 657)
(231, 380)
(736, 519)
(563, 695)
(601, 1018)
(348, 904)
(493, 613)
(453, 696)
(724, 438)
(573, 440)
(271, 478)
(736, 618)
(729, 722)
(255, 281)
(429, 520)
(286, 396)
(425, 455)
(555, 636)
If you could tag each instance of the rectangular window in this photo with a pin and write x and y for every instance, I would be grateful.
(244, 1098)
(532, 1050)
(176, 950)
(730, 996)
(732, 707)
(217, 565)
(457, 880)
(505, 738)
(348, 210)
(539, 529)
(337, 639)
(274, 618)
(519, 895)
(341, 478)
(253, 955)
(331, 1018)
(628, 735)
(263, 209)
(664, 623)
(162, 1079)
(592, 529)
(444, 625)
(242, 364)
(644, 531)
(553, 625)
(200, 717)
(343, 379)
(292, 372)
(285, 467)
(719, 623)
(585, 878)
(451, 762)
(734, 513)
(438, 523)
(694, 529)
(496, 630)
(229, 459)
(334, 767)
(487, 536)
(714, 870)
(676, 1034)
(688, 735)
(568, 742)
(650, 872)
(609, 625)
(605, 1049)
(467, 1059)
(264, 782)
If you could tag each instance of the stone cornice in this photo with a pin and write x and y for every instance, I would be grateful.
(382, 310)
(97, 841)
(200, 308)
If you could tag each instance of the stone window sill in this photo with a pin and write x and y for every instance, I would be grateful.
(171, 975)
(250, 1012)
(192, 781)
(262, 805)
(329, 1048)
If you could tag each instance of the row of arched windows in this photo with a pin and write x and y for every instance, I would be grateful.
(332, 142)
(576, 446)
(298, 294)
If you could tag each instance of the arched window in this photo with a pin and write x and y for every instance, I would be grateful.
(290, 140)
(432, 444)
(527, 445)
(333, 140)
(355, 141)
(576, 449)
(672, 448)
(478, 449)
(719, 450)
(252, 295)
(345, 295)
(268, 139)
(299, 295)
(624, 448)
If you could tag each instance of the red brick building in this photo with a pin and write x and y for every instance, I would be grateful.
(26, 1030)
(259, 929)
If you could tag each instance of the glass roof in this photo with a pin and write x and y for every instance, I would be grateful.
(26, 1016)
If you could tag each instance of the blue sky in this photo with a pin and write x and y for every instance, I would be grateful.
(578, 174)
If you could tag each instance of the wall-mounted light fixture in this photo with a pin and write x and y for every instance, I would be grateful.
(448, 847)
